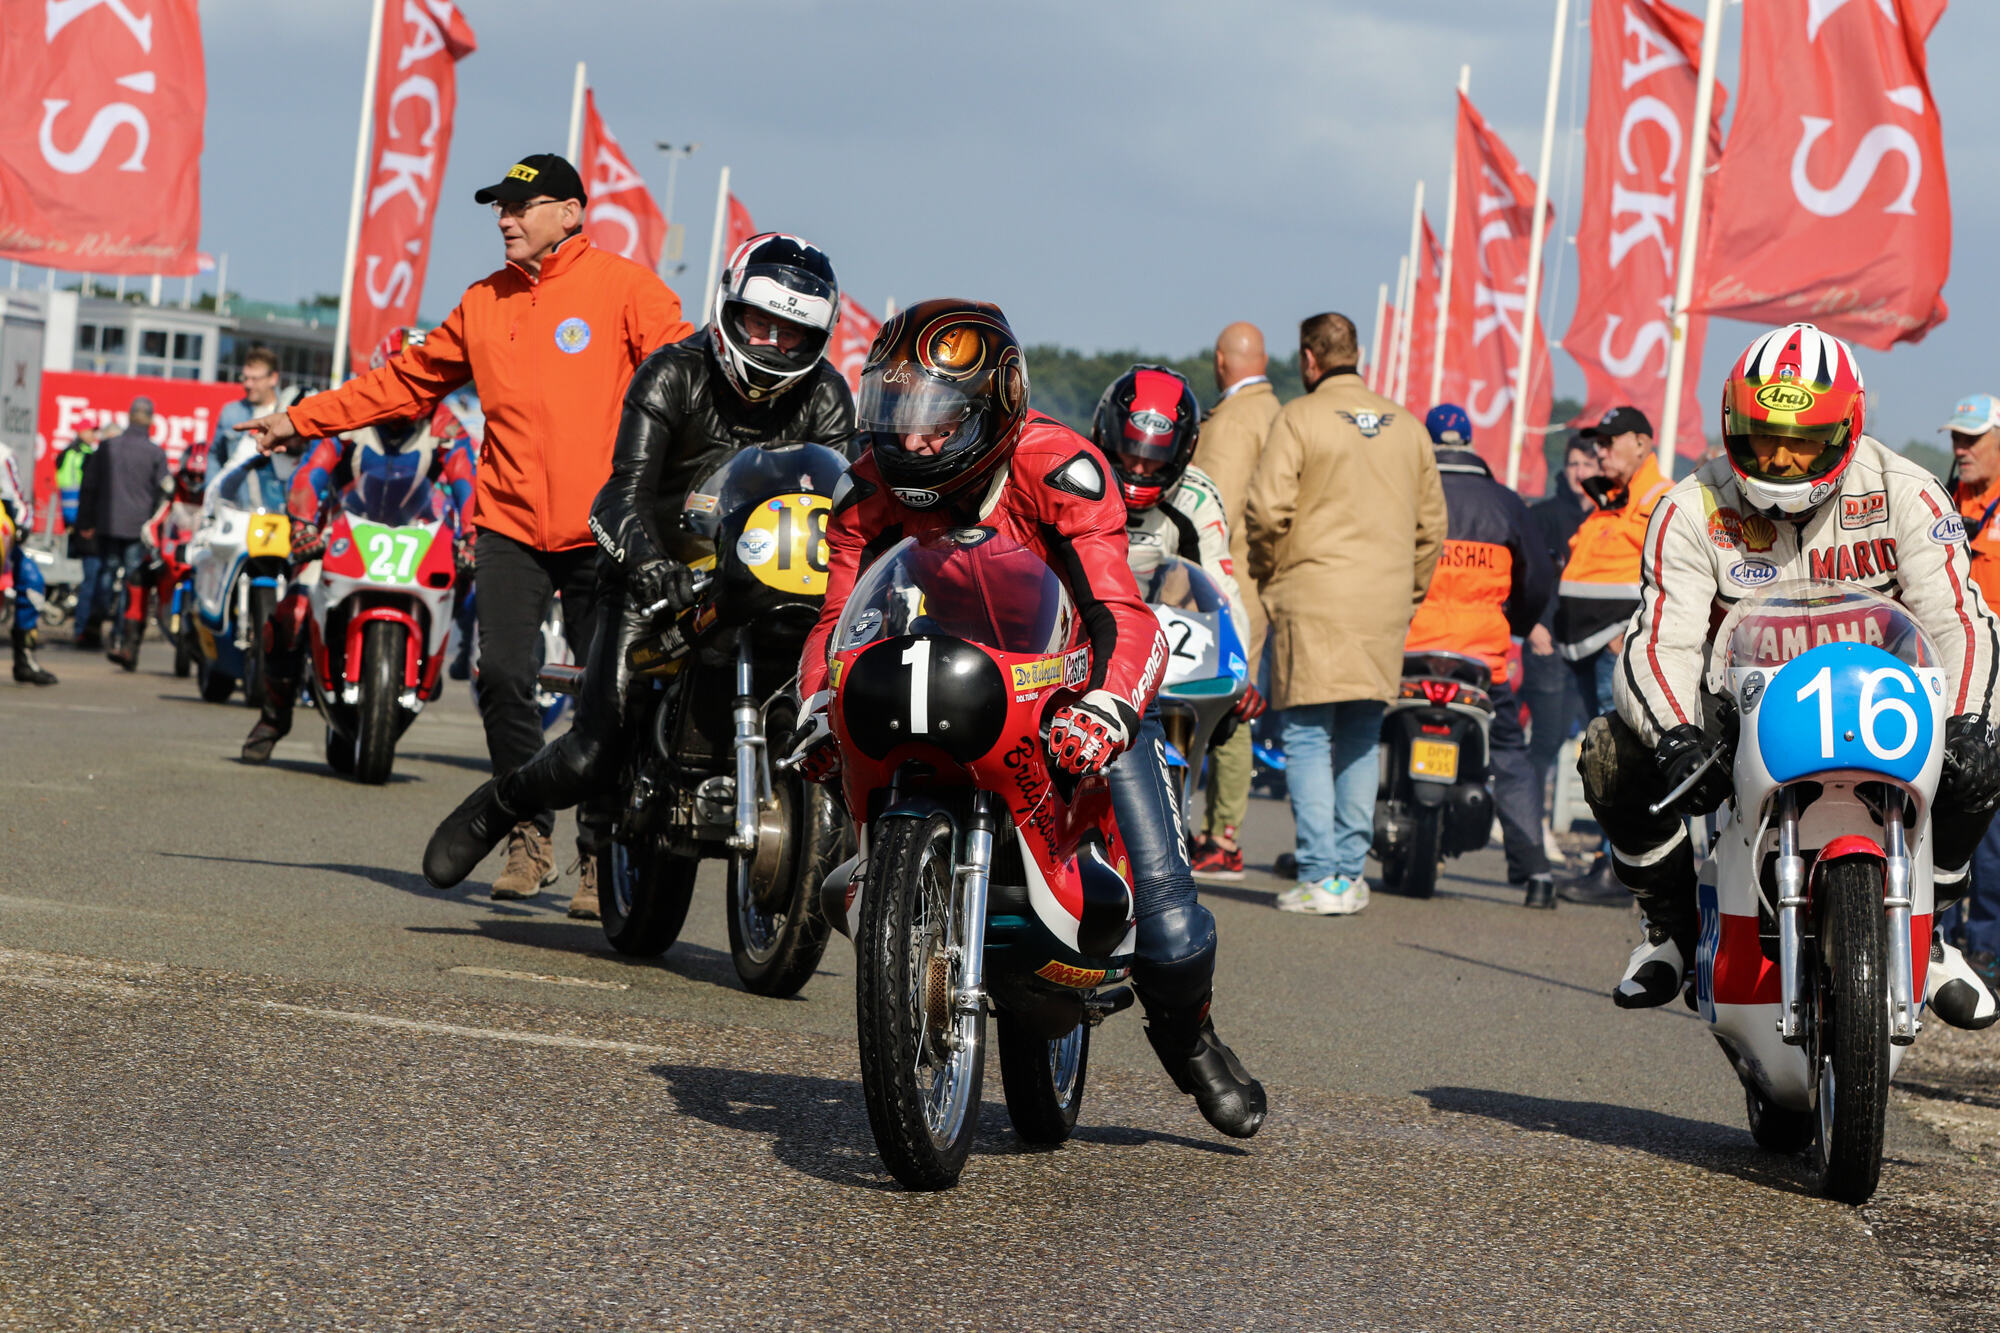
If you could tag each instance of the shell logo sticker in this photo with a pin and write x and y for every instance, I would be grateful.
(784, 543)
(1760, 534)
(1786, 397)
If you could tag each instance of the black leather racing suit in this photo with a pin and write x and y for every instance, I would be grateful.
(681, 421)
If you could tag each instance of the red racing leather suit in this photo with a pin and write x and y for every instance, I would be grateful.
(1053, 498)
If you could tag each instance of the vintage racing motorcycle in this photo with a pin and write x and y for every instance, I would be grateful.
(380, 613)
(714, 695)
(1816, 896)
(237, 560)
(1206, 672)
(989, 880)
(1431, 799)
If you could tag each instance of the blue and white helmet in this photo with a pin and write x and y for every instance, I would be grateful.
(778, 277)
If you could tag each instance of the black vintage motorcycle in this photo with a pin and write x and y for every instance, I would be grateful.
(714, 696)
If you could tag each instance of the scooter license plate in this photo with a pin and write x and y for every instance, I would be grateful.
(1436, 760)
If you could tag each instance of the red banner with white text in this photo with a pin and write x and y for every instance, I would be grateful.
(101, 108)
(852, 337)
(184, 413)
(1422, 352)
(416, 100)
(1832, 204)
(1644, 71)
(1382, 378)
(1489, 296)
(738, 229)
(622, 216)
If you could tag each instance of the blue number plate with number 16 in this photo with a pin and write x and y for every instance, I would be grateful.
(1845, 705)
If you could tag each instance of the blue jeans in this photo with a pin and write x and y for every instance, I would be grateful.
(1331, 773)
(28, 589)
(1594, 675)
(1978, 916)
(113, 554)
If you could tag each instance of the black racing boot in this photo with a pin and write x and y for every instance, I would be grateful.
(466, 835)
(1201, 1066)
(274, 723)
(1541, 893)
(125, 651)
(1664, 889)
(27, 671)
(1596, 887)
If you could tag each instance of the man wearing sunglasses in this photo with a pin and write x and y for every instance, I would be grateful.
(1600, 587)
(551, 339)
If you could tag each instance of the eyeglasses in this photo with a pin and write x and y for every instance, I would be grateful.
(511, 209)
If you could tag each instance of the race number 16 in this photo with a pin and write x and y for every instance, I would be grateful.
(1872, 709)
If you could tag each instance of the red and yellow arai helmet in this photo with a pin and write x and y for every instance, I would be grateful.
(1804, 385)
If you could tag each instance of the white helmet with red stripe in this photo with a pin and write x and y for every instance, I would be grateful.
(1795, 384)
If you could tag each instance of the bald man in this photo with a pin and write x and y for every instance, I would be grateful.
(1232, 440)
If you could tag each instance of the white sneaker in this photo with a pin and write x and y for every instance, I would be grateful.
(1336, 895)
(1954, 992)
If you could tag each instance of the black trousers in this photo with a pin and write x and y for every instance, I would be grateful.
(515, 583)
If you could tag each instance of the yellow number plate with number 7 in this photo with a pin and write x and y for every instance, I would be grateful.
(1437, 760)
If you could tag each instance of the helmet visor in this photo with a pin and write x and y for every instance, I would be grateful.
(1782, 453)
(1147, 435)
(777, 316)
(901, 401)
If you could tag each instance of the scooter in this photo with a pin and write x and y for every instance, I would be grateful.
(1816, 896)
(1431, 798)
(988, 880)
(238, 563)
(380, 613)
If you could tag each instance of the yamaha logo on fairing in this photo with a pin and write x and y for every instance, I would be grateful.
(914, 497)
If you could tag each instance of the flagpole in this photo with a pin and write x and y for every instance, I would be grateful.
(1538, 232)
(576, 117)
(1450, 235)
(1390, 389)
(1375, 353)
(715, 237)
(345, 319)
(1403, 331)
(1704, 108)
(222, 283)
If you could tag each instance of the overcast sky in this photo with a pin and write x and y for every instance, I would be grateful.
(1119, 173)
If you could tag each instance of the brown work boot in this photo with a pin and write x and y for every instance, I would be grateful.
(583, 906)
(531, 864)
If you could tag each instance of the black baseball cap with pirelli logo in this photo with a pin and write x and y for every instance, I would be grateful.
(540, 176)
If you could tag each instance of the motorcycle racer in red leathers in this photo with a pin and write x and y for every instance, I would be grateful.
(1801, 493)
(325, 473)
(946, 441)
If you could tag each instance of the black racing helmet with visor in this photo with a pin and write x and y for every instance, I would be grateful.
(774, 313)
(943, 396)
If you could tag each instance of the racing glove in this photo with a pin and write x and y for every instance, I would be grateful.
(658, 581)
(1084, 737)
(1251, 706)
(308, 544)
(1679, 753)
(1969, 783)
(464, 554)
(815, 753)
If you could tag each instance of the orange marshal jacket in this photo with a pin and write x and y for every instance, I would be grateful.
(1600, 584)
(551, 354)
(1493, 577)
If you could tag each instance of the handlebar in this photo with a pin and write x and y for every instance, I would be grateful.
(702, 583)
(1687, 784)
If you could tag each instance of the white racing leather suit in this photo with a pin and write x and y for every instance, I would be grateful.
(1197, 508)
(1889, 527)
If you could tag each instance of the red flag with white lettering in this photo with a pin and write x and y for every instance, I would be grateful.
(1644, 70)
(853, 335)
(416, 99)
(1423, 321)
(1832, 204)
(1489, 295)
(1381, 378)
(101, 111)
(622, 216)
(739, 227)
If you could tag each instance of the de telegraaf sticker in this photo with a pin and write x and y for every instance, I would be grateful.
(1753, 573)
(756, 545)
(572, 335)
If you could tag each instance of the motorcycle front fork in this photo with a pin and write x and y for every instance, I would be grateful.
(1896, 904)
(753, 760)
(974, 880)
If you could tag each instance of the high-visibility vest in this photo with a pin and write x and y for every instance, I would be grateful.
(1600, 584)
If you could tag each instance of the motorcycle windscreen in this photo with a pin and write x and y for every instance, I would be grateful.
(390, 489)
(755, 474)
(251, 483)
(1204, 655)
(1791, 619)
(974, 584)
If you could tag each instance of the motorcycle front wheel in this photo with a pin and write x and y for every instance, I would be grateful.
(384, 647)
(261, 602)
(1850, 1029)
(923, 1056)
(643, 894)
(776, 932)
(1043, 1079)
(183, 636)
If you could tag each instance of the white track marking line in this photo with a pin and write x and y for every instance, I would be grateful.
(546, 978)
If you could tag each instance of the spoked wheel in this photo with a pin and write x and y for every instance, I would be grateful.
(776, 931)
(643, 893)
(1414, 870)
(923, 1054)
(1043, 1079)
(1850, 1037)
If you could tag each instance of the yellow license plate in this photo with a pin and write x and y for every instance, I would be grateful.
(1437, 760)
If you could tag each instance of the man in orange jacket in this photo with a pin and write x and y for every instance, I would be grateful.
(1600, 587)
(551, 340)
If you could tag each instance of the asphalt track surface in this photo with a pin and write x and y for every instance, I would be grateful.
(253, 1074)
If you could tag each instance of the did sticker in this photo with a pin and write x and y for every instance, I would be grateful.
(756, 546)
